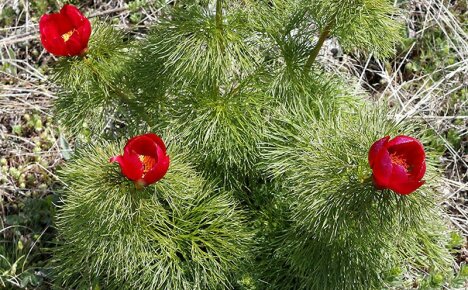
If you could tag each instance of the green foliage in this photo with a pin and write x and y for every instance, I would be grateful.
(197, 50)
(277, 17)
(26, 237)
(345, 234)
(221, 113)
(272, 268)
(218, 114)
(359, 24)
(222, 133)
(94, 84)
(231, 84)
(180, 233)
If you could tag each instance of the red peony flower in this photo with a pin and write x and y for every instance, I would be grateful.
(144, 160)
(398, 164)
(65, 33)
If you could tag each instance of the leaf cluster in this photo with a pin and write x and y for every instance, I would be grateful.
(224, 131)
(181, 233)
(195, 49)
(359, 24)
(345, 234)
(94, 85)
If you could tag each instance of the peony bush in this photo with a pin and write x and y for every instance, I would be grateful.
(245, 164)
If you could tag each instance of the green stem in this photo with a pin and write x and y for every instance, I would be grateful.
(315, 51)
(219, 27)
(219, 15)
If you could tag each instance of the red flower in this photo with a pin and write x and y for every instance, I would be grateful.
(398, 164)
(144, 160)
(65, 33)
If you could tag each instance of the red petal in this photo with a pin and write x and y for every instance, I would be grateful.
(408, 187)
(52, 27)
(141, 145)
(48, 26)
(130, 166)
(79, 22)
(56, 46)
(401, 182)
(51, 36)
(61, 23)
(158, 140)
(74, 46)
(382, 168)
(84, 31)
(401, 139)
(375, 149)
(159, 170)
(399, 175)
(74, 16)
(418, 173)
(413, 152)
(148, 145)
(379, 184)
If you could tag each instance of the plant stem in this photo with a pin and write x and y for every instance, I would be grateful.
(315, 51)
(219, 15)
(219, 28)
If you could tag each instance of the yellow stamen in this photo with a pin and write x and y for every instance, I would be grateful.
(66, 36)
(400, 160)
(148, 163)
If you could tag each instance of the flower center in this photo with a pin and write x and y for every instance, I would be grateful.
(400, 160)
(148, 163)
(66, 36)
